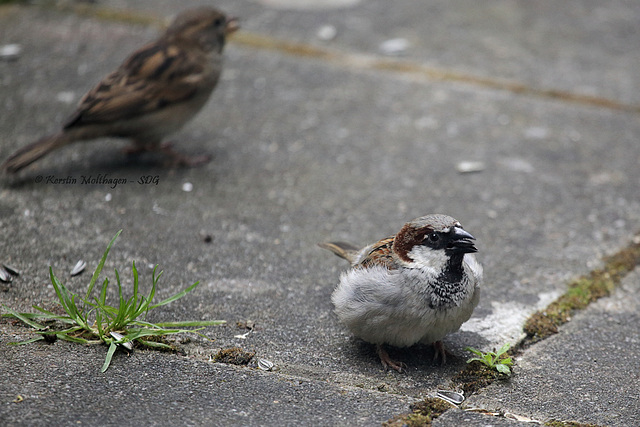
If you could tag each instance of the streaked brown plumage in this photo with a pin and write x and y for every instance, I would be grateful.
(155, 91)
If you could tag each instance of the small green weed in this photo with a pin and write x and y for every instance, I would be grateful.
(498, 361)
(92, 321)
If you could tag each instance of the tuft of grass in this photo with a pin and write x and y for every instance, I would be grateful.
(234, 356)
(500, 360)
(91, 320)
(423, 413)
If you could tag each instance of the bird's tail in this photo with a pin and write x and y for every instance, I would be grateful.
(32, 152)
(342, 249)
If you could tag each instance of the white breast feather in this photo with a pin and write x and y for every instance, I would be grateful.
(384, 306)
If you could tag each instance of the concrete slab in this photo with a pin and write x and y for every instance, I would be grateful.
(304, 151)
(61, 383)
(587, 373)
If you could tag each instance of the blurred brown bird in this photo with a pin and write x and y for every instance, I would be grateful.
(158, 89)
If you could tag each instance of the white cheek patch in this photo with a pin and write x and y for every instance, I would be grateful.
(428, 259)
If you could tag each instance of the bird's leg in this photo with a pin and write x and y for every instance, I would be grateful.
(179, 159)
(386, 360)
(141, 145)
(134, 149)
(439, 352)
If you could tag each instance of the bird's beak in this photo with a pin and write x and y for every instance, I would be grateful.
(461, 241)
(233, 24)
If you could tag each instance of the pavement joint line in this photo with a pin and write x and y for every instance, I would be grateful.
(581, 292)
(358, 61)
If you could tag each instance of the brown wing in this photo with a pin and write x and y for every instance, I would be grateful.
(380, 254)
(154, 77)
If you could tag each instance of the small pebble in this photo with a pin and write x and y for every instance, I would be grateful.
(10, 51)
(66, 97)
(394, 47)
(327, 32)
(187, 187)
(469, 167)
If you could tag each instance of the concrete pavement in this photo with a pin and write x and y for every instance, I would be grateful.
(316, 140)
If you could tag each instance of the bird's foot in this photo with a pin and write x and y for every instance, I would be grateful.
(134, 150)
(179, 159)
(439, 352)
(387, 362)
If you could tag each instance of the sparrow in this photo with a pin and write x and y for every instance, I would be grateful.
(416, 286)
(155, 91)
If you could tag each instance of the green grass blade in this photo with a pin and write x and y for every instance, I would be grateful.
(24, 319)
(107, 360)
(130, 309)
(146, 324)
(120, 295)
(38, 338)
(135, 287)
(119, 320)
(44, 311)
(46, 315)
(101, 332)
(98, 269)
(154, 283)
(59, 288)
(136, 333)
(102, 311)
(69, 338)
(142, 306)
(176, 296)
(80, 319)
(103, 292)
(154, 344)
(71, 330)
(187, 324)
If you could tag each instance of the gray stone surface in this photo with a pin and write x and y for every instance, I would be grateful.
(589, 372)
(61, 384)
(579, 46)
(307, 150)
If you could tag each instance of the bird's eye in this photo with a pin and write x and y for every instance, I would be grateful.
(433, 237)
(218, 22)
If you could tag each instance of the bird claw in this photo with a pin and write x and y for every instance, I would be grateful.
(439, 352)
(178, 159)
(387, 362)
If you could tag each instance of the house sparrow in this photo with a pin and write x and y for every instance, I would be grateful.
(416, 286)
(153, 93)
